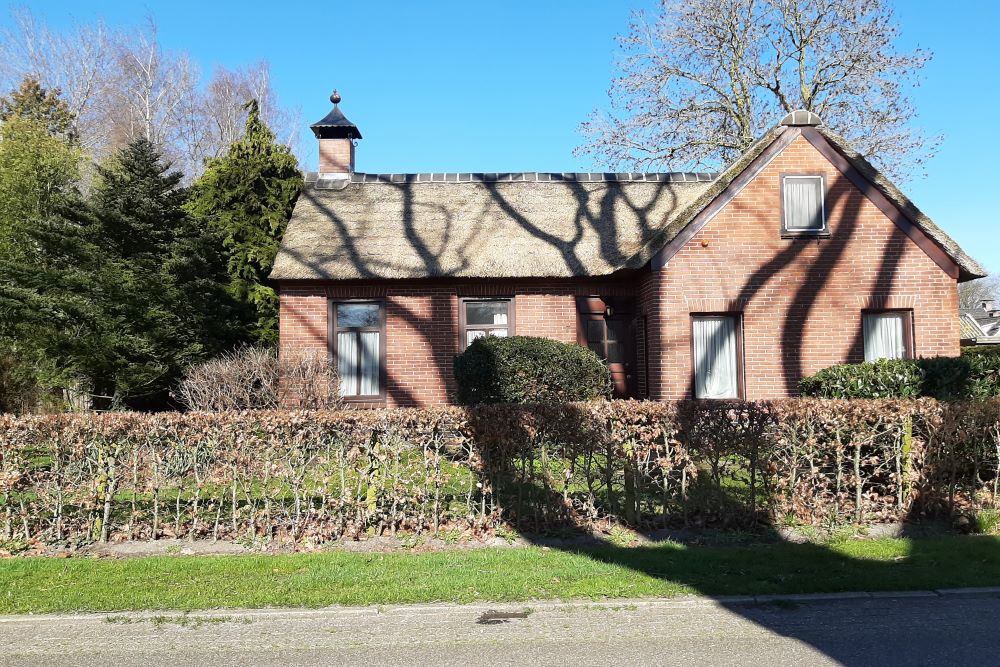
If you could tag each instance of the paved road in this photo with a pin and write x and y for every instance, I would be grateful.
(918, 630)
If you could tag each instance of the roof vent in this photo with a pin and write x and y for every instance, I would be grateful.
(800, 118)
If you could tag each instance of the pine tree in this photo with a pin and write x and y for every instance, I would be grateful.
(171, 307)
(247, 195)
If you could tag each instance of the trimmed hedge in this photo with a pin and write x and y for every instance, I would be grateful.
(528, 369)
(975, 375)
(312, 477)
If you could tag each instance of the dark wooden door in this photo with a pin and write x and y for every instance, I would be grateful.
(606, 326)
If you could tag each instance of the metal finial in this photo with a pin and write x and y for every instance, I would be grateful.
(335, 98)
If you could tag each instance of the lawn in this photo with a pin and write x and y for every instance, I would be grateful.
(320, 579)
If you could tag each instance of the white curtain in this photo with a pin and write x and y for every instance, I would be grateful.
(473, 334)
(347, 360)
(885, 336)
(715, 357)
(803, 203)
(369, 363)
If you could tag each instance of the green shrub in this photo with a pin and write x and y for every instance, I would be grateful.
(899, 378)
(975, 375)
(527, 369)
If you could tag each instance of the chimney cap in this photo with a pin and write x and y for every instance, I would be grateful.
(335, 124)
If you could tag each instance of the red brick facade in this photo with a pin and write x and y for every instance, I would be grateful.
(800, 300)
(336, 156)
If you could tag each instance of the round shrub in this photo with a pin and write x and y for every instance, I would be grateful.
(527, 369)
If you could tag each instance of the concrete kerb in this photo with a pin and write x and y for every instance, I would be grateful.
(529, 605)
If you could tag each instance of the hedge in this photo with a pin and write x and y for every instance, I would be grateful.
(528, 369)
(318, 476)
(974, 375)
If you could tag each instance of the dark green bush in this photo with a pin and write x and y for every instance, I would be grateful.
(527, 369)
(975, 375)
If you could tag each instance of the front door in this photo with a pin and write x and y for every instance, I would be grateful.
(606, 327)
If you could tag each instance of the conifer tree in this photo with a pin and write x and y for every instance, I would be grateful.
(247, 195)
(171, 307)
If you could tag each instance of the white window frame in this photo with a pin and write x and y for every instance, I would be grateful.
(803, 231)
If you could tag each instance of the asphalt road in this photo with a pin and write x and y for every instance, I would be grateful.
(913, 630)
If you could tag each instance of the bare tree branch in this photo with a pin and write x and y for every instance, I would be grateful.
(703, 78)
(121, 85)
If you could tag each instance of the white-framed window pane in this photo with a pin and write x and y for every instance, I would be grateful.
(803, 203)
(885, 336)
(480, 313)
(369, 363)
(499, 333)
(716, 368)
(347, 362)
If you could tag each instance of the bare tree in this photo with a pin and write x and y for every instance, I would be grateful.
(974, 292)
(122, 84)
(703, 78)
(77, 62)
(213, 120)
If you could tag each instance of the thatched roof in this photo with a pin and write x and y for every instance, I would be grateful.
(494, 226)
(399, 226)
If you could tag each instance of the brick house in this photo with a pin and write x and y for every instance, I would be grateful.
(798, 256)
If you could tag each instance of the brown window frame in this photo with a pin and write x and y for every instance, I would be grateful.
(909, 332)
(809, 233)
(464, 327)
(740, 363)
(333, 330)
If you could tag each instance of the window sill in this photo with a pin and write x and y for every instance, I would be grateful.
(805, 235)
(364, 401)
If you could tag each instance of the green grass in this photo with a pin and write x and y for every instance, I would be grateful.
(313, 580)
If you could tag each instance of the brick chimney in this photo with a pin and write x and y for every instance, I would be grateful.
(336, 137)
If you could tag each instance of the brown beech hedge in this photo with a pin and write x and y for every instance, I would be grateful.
(318, 476)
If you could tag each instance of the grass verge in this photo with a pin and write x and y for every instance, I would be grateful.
(314, 580)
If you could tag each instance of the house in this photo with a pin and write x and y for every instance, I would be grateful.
(797, 256)
(980, 325)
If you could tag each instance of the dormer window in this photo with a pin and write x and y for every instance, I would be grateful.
(802, 207)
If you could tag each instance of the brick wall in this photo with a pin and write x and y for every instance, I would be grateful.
(336, 156)
(801, 299)
(422, 320)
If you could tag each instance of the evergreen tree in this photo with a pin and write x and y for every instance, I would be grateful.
(171, 307)
(247, 195)
(44, 247)
(45, 106)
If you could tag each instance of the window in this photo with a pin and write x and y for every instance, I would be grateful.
(802, 205)
(358, 335)
(486, 317)
(716, 356)
(887, 335)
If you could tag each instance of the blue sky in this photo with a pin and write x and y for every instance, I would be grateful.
(502, 86)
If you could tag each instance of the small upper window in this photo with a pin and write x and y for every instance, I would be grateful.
(802, 204)
(486, 318)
